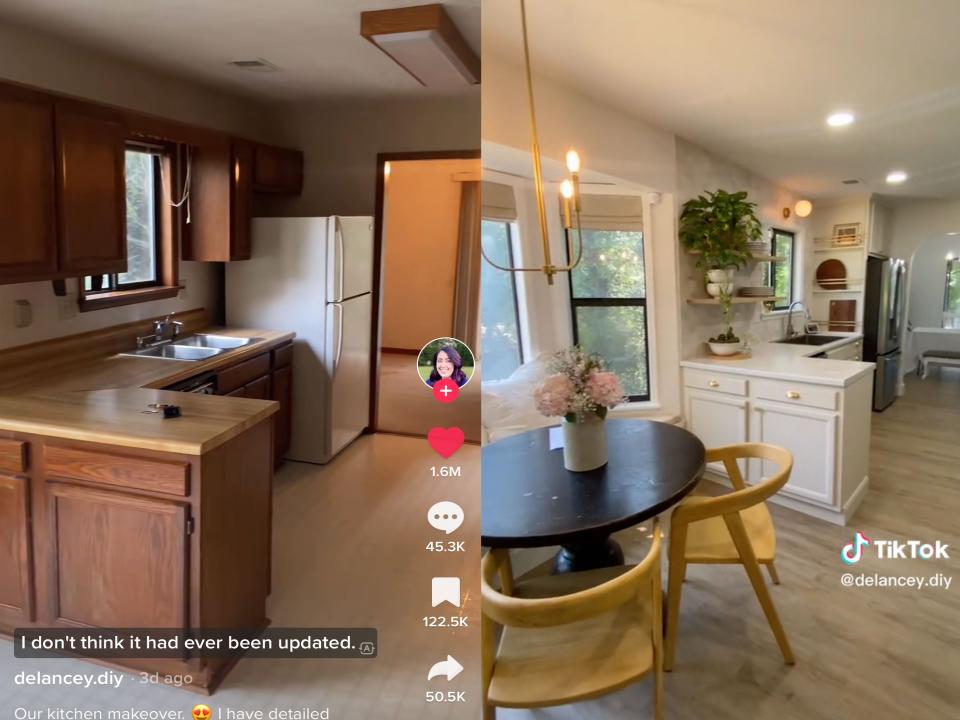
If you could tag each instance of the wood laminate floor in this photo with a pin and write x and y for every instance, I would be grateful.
(407, 406)
(862, 653)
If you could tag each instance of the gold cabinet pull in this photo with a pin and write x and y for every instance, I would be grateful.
(793, 395)
(713, 384)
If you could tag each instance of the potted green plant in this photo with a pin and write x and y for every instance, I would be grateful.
(727, 342)
(718, 226)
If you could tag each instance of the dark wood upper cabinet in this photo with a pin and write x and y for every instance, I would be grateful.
(277, 170)
(221, 196)
(90, 147)
(28, 235)
(241, 192)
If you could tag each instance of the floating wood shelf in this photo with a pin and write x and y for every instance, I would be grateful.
(758, 258)
(837, 292)
(835, 248)
(734, 300)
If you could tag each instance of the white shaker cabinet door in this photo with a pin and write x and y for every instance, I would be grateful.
(810, 435)
(717, 419)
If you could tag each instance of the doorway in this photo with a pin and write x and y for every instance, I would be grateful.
(428, 270)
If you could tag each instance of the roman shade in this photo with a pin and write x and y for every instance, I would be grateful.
(498, 202)
(611, 212)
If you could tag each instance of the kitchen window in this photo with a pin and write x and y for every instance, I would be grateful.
(608, 299)
(499, 313)
(951, 295)
(780, 275)
(151, 250)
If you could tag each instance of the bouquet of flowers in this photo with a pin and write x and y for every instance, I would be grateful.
(578, 387)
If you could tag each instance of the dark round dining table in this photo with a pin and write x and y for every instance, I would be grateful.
(530, 500)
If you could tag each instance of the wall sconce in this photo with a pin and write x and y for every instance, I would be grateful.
(803, 208)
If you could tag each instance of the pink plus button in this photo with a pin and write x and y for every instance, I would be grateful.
(445, 390)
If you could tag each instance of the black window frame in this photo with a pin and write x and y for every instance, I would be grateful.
(113, 283)
(513, 281)
(576, 302)
(946, 283)
(778, 305)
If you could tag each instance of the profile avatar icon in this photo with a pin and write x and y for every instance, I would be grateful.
(445, 359)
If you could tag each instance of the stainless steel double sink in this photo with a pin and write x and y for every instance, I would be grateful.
(194, 347)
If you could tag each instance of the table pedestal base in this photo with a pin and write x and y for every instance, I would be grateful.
(600, 553)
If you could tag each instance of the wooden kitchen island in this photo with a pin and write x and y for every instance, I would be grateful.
(114, 517)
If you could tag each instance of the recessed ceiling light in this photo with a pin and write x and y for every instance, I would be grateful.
(895, 177)
(953, 233)
(840, 119)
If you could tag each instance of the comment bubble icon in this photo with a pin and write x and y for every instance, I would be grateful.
(446, 516)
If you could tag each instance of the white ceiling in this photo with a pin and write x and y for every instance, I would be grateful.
(315, 43)
(753, 80)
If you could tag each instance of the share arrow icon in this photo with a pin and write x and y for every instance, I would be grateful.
(448, 668)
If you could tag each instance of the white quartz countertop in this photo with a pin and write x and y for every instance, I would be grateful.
(781, 361)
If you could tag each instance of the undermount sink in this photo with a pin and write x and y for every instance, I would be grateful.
(222, 342)
(808, 340)
(178, 352)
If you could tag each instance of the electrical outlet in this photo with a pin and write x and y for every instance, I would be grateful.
(67, 307)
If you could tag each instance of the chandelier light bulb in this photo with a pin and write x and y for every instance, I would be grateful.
(566, 189)
(573, 161)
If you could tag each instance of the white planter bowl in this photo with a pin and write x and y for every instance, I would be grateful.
(719, 276)
(724, 348)
(714, 288)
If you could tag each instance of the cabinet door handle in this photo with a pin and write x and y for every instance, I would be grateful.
(793, 395)
(713, 384)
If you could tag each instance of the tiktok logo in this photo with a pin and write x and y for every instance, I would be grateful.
(852, 552)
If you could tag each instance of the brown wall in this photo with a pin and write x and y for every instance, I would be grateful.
(420, 240)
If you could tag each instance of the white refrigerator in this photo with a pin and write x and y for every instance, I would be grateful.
(314, 276)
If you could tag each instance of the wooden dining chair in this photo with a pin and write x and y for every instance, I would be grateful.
(732, 528)
(571, 637)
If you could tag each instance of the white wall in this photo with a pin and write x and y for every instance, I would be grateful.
(31, 58)
(919, 232)
(341, 139)
(699, 171)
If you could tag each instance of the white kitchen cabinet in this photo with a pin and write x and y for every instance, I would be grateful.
(819, 410)
(717, 419)
(811, 436)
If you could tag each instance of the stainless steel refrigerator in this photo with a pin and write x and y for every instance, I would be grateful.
(884, 303)
(314, 276)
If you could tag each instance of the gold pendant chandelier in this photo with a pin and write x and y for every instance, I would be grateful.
(569, 188)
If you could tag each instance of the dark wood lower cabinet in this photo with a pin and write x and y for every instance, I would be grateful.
(135, 547)
(114, 547)
(16, 567)
(281, 390)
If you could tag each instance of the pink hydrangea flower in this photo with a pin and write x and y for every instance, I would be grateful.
(552, 396)
(604, 389)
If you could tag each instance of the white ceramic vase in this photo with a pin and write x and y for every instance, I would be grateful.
(584, 444)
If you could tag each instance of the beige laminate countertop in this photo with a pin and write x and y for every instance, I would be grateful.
(103, 399)
(781, 361)
(117, 417)
(125, 371)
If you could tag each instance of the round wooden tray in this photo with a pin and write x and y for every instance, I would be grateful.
(832, 275)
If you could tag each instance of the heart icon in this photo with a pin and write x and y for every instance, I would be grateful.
(446, 441)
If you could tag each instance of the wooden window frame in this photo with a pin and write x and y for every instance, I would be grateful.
(168, 230)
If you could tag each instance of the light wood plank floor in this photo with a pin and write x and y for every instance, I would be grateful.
(878, 654)
(407, 406)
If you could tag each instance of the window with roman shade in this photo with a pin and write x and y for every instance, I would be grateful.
(608, 296)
